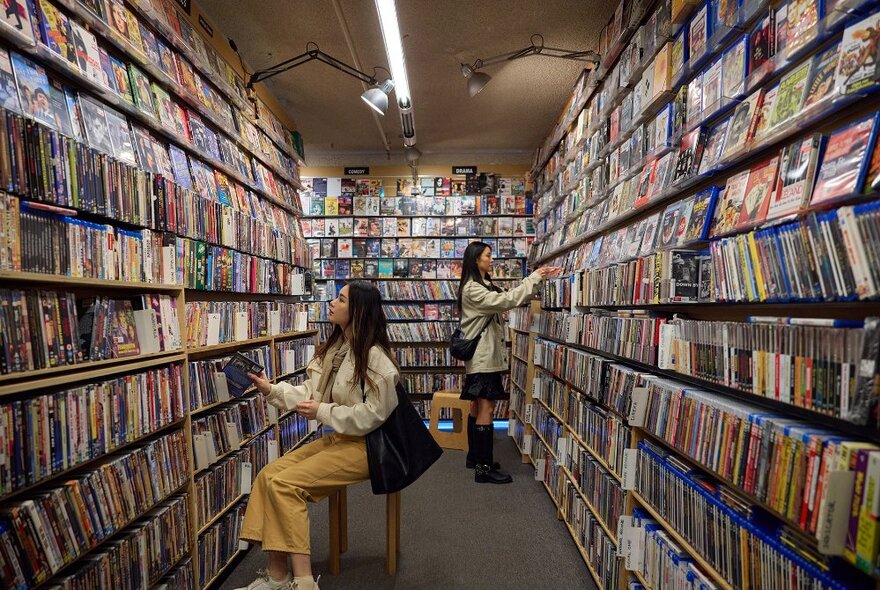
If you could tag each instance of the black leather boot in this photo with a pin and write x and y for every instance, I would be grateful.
(471, 461)
(486, 472)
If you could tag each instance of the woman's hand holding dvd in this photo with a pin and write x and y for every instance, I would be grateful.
(261, 383)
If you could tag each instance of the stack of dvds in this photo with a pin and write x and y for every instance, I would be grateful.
(605, 433)
(77, 507)
(293, 429)
(518, 371)
(677, 493)
(294, 355)
(51, 433)
(422, 383)
(550, 392)
(556, 293)
(216, 322)
(47, 329)
(217, 488)
(589, 535)
(424, 332)
(259, 451)
(219, 543)
(547, 426)
(520, 319)
(179, 578)
(520, 345)
(416, 290)
(425, 357)
(600, 487)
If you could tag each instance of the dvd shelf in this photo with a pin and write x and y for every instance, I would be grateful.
(408, 238)
(710, 192)
(133, 204)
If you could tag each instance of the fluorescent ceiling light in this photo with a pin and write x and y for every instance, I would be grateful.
(394, 48)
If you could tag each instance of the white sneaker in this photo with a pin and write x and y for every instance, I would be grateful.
(293, 585)
(264, 582)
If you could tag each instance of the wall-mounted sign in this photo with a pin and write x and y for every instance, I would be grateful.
(186, 5)
(464, 169)
(208, 28)
(356, 171)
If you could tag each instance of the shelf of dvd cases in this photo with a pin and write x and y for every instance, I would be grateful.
(163, 59)
(829, 104)
(71, 73)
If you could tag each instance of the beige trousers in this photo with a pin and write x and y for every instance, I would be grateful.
(277, 516)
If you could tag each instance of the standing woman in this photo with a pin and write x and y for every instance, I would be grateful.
(355, 359)
(481, 304)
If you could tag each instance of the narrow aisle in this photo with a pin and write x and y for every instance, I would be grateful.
(455, 534)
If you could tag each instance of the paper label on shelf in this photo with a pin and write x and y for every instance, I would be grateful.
(634, 549)
(147, 329)
(665, 358)
(213, 329)
(638, 405)
(527, 444)
(572, 331)
(511, 427)
(310, 353)
(834, 512)
(232, 435)
(272, 413)
(169, 267)
(298, 284)
(201, 451)
(274, 322)
(289, 362)
(241, 325)
(630, 458)
(313, 425)
(243, 545)
(529, 413)
(539, 469)
(562, 450)
(625, 522)
(221, 387)
(247, 469)
(212, 448)
(273, 450)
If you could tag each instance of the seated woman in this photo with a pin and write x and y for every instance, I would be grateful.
(356, 355)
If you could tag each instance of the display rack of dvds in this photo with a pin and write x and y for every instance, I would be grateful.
(709, 362)
(149, 227)
(409, 240)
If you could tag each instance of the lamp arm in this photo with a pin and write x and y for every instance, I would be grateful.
(310, 55)
(587, 56)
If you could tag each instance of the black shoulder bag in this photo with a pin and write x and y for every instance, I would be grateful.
(401, 449)
(462, 348)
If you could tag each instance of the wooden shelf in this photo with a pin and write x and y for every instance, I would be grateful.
(575, 437)
(230, 452)
(589, 504)
(73, 469)
(88, 372)
(109, 539)
(9, 276)
(85, 366)
(551, 410)
(291, 374)
(220, 514)
(694, 554)
(550, 450)
(233, 559)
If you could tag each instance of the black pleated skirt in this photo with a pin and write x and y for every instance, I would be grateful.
(485, 386)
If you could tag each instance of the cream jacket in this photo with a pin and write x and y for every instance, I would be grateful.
(477, 304)
(346, 412)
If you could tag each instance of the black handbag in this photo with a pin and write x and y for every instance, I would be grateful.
(463, 348)
(401, 449)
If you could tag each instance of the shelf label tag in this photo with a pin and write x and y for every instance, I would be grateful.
(313, 425)
(529, 413)
(247, 469)
(539, 469)
(241, 325)
(625, 522)
(243, 545)
(511, 427)
(232, 434)
(634, 549)
(630, 458)
(221, 386)
(637, 407)
(273, 413)
(213, 329)
(527, 444)
(834, 512)
(273, 450)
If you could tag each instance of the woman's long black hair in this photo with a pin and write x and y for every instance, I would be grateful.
(369, 328)
(470, 271)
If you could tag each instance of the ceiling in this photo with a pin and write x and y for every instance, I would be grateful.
(504, 124)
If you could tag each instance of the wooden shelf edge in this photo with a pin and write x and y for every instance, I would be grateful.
(36, 277)
(219, 515)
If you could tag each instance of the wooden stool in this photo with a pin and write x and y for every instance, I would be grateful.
(339, 530)
(457, 439)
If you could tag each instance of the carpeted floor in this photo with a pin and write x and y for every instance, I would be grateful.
(454, 534)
